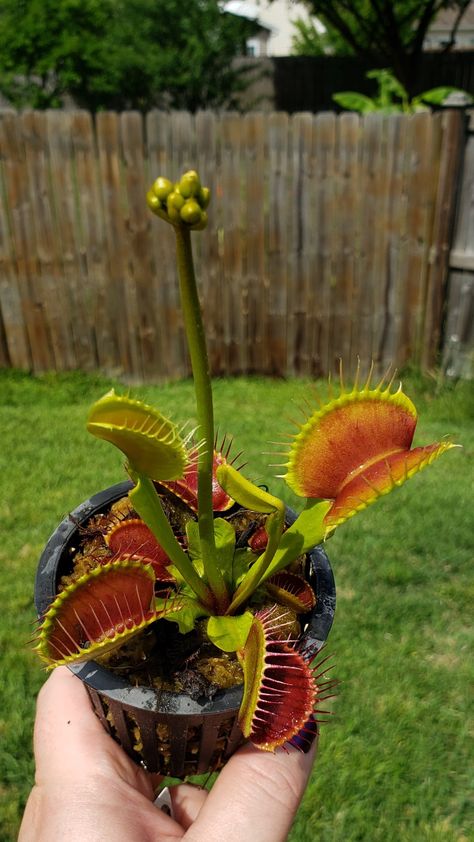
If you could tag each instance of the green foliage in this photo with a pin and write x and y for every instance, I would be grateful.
(177, 54)
(229, 633)
(120, 53)
(307, 531)
(49, 49)
(352, 101)
(438, 96)
(392, 96)
(308, 40)
(351, 27)
(224, 535)
(185, 612)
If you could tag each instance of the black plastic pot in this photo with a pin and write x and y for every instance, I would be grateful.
(169, 733)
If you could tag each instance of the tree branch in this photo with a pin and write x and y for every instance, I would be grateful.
(463, 5)
(330, 14)
(416, 43)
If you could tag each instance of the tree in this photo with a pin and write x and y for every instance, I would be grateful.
(177, 54)
(120, 53)
(50, 48)
(311, 40)
(382, 32)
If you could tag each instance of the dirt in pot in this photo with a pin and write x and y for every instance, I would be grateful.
(164, 659)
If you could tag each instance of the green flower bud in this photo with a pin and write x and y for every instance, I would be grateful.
(153, 201)
(191, 212)
(162, 188)
(180, 203)
(202, 223)
(204, 196)
(175, 200)
(173, 214)
(189, 184)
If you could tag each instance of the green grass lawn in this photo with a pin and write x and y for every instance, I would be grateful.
(396, 762)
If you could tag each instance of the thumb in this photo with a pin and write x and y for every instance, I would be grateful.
(255, 797)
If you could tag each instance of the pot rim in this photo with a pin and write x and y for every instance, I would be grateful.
(146, 698)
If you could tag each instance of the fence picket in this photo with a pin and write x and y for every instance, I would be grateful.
(138, 228)
(308, 231)
(119, 293)
(451, 142)
(92, 243)
(345, 255)
(256, 282)
(424, 162)
(277, 244)
(230, 221)
(293, 213)
(73, 277)
(325, 126)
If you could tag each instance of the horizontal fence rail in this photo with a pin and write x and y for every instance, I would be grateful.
(328, 238)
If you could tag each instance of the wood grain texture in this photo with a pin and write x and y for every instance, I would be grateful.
(328, 239)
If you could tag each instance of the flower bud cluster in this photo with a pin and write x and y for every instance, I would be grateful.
(183, 203)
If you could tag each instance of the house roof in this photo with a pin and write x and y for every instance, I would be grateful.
(245, 9)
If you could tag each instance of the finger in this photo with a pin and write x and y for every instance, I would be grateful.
(65, 725)
(187, 803)
(256, 796)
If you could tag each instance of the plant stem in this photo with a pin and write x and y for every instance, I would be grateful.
(202, 385)
(146, 502)
(252, 579)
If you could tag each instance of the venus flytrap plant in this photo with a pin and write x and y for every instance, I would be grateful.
(246, 599)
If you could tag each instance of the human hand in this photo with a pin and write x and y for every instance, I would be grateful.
(88, 790)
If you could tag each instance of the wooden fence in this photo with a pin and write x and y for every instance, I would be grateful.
(329, 237)
(458, 346)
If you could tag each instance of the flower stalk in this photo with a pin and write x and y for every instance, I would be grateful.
(202, 384)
